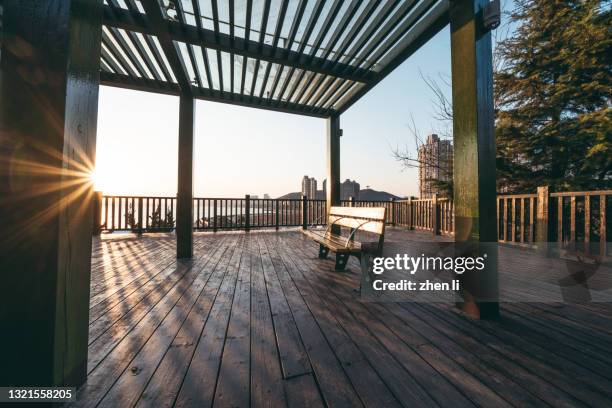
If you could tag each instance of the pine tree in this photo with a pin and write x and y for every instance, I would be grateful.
(553, 97)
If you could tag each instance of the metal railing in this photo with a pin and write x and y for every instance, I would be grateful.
(573, 221)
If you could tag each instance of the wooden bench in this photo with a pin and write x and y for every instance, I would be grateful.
(370, 219)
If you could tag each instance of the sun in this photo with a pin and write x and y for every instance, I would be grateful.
(95, 179)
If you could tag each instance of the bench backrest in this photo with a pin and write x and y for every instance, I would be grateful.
(371, 219)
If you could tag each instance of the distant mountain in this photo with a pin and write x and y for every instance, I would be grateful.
(372, 195)
(291, 196)
(367, 195)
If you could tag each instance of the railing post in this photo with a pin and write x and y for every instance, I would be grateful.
(139, 215)
(602, 226)
(97, 213)
(247, 210)
(392, 206)
(277, 213)
(435, 214)
(542, 220)
(352, 201)
(304, 211)
(215, 215)
(410, 214)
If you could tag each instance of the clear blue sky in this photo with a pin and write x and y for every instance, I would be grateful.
(243, 150)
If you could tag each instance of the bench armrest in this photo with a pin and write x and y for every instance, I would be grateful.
(332, 224)
(353, 232)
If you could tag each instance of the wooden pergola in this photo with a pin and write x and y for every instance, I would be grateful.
(314, 58)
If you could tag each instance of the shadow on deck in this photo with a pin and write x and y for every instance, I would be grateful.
(256, 319)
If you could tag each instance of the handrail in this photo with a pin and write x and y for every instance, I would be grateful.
(573, 220)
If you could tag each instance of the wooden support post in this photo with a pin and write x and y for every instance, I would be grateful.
(542, 237)
(410, 214)
(587, 223)
(522, 229)
(572, 237)
(333, 166)
(560, 224)
(474, 154)
(49, 80)
(277, 214)
(140, 215)
(247, 212)
(435, 214)
(215, 215)
(304, 211)
(97, 213)
(602, 226)
(184, 197)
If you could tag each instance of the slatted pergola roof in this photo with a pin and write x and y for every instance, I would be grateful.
(312, 57)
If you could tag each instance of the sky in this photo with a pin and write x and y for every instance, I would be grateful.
(242, 151)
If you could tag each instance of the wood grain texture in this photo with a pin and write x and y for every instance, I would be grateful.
(258, 320)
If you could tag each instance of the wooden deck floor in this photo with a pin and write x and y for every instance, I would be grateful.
(257, 320)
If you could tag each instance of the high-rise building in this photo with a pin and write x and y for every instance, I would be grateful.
(309, 187)
(348, 189)
(435, 162)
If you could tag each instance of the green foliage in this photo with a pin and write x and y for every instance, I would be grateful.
(553, 97)
(159, 223)
(131, 219)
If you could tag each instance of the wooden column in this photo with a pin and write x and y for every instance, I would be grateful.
(474, 153)
(184, 197)
(49, 80)
(333, 165)
(97, 213)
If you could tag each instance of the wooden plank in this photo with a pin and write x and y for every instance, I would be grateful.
(369, 387)
(396, 377)
(198, 384)
(165, 383)
(233, 380)
(374, 213)
(489, 367)
(130, 384)
(335, 386)
(504, 362)
(294, 360)
(103, 376)
(266, 374)
(520, 365)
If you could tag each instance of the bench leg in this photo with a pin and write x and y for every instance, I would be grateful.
(366, 274)
(323, 251)
(341, 260)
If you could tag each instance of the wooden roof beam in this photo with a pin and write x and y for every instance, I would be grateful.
(223, 42)
(160, 30)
